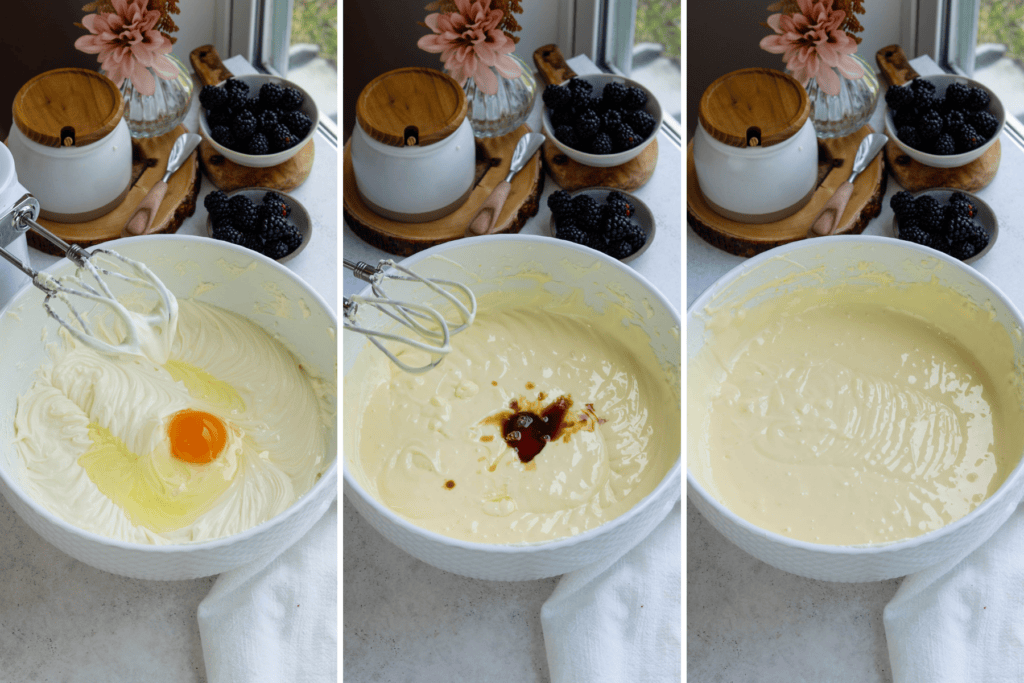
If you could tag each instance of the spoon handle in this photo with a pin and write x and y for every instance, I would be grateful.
(486, 219)
(827, 221)
(142, 220)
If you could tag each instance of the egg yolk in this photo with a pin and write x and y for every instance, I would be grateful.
(196, 437)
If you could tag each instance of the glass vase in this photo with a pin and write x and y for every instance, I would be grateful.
(154, 115)
(499, 114)
(836, 116)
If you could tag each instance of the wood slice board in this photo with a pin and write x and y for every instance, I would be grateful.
(911, 174)
(835, 163)
(149, 163)
(493, 160)
(569, 173)
(226, 174)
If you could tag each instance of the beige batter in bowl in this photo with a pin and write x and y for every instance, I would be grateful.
(210, 271)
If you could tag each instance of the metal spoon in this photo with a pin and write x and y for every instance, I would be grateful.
(487, 218)
(827, 221)
(142, 219)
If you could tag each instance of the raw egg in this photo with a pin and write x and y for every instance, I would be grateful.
(196, 437)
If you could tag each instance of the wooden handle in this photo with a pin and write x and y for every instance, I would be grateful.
(209, 69)
(487, 218)
(828, 220)
(142, 220)
(894, 65)
(551, 65)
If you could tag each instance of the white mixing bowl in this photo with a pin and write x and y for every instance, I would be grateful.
(183, 263)
(906, 262)
(480, 263)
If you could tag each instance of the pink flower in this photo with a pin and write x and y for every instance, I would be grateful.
(128, 45)
(811, 44)
(470, 44)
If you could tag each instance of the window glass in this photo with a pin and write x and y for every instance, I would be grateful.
(996, 55)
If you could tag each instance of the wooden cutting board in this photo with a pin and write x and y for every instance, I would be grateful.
(493, 160)
(226, 174)
(915, 176)
(149, 163)
(572, 175)
(835, 164)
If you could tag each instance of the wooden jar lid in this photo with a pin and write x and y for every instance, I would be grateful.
(411, 106)
(68, 107)
(741, 104)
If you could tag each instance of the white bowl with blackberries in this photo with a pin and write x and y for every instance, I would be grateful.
(260, 219)
(943, 121)
(953, 222)
(257, 120)
(610, 221)
(600, 120)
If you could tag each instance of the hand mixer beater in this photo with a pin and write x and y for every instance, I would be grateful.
(143, 334)
(431, 329)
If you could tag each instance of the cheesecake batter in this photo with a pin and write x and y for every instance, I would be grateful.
(546, 420)
(855, 414)
(222, 435)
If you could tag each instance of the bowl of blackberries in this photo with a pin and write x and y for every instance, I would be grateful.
(600, 120)
(257, 120)
(260, 219)
(943, 121)
(953, 222)
(613, 222)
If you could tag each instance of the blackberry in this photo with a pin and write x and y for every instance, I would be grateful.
(620, 249)
(291, 99)
(903, 205)
(237, 96)
(567, 136)
(954, 118)
(258, 144)
(276, 249)
(282, 138)
(611, 118)
(966, 138)
(222, 135)
(617, 197)
(959, 229)
(253, 240)
(267, 121)
(929, 213)
(276, 203)
(637, 237)
(624, 137)
(557, 96)
(961, 200)
(236, 85)
(217, 205)
(957, 95)
(297, 123)
(913, 233)
(587, 212)
(212, 97)
(635, 99)
(580, 87)
(951, 211)
(962, 250)
(274, 228)
(945, 145)
(243, 212)
(253, 105)
(617, 227)
(292, 237)
(593, 103)
(978, 236)
(244, 126)
(614, 209)
(977, 99)
(641, 122)
(614, 94)
(898, 96)
(227, 233)
(930, 125)
(920, 85)
(560, 203)
(565, 116)
(908, 135)
(588, 124)
(905, 117)
(985, 123)
(572, 234)
(270, 96)
(602, 144)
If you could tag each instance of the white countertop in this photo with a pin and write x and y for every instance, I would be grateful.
(62, 620)
(407, 621)
(747, 621)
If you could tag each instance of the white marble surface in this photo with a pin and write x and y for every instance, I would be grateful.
(747, 621)
(61, 620)
(405, 621)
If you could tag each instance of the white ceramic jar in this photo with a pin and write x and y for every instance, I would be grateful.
(412, 147)
(755, 151)
(11, 192)
(71, 145)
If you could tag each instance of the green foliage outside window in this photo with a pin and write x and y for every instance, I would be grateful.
(658, 21)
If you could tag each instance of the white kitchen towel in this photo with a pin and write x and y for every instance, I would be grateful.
(963, 621)
(620, 619)
(277, 621)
